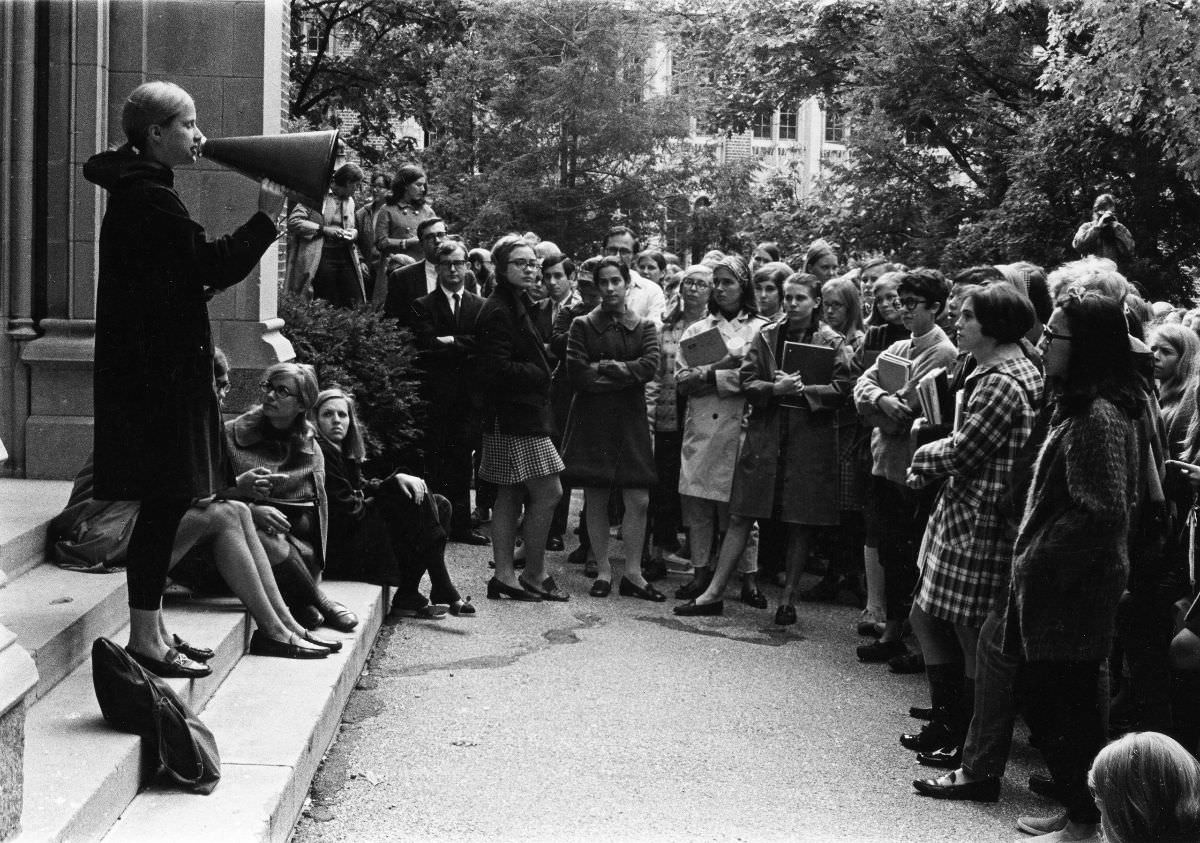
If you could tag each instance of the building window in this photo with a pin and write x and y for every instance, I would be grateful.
(760, 126)
(788, 125)
(835, 126)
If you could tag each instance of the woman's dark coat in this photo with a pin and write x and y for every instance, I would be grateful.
(512, 366)
(607, 443)
(157, 423)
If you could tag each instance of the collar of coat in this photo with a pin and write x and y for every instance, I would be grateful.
(248, 431)
(601, 320)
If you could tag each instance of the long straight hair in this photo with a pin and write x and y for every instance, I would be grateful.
(1102, 364)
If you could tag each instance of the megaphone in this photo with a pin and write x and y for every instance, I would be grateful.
(301, 162)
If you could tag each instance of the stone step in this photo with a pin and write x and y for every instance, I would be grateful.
(56, 615)
(26, 507)
(273, 720)
(79, 772)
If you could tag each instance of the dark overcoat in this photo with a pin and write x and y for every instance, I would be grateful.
(512, 367)
(607, 441)
(157, 423)
(787, 467)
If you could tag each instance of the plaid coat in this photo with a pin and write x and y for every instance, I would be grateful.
(966, 554)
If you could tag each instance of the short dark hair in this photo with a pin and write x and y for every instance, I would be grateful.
(978, 276)
(929, 284)
(771, 248)
(612, 261)
(808, 281)
(654, 255)
(424, 224)
(348, 173)
(1002, 312)
(379, 175)
(406, 175)
(448, 248)
(775, 272)
(620, 231)
(555, 260)
(504, 247)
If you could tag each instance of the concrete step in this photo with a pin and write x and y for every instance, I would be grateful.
(79, 772)
(273, 720)
(57, 614)
(26, 507)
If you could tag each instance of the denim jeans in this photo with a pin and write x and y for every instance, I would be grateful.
(989, 737)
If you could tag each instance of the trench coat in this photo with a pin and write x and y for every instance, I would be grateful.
(712, 425)
(607, 441)
(787, 468)
(157, 423)
(305, 246)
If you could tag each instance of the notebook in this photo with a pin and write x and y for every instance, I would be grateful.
(893, 371)
(704, 348)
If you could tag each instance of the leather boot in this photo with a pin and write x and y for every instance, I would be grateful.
(298, 590)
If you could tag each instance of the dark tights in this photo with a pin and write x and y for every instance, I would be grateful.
(150, 548)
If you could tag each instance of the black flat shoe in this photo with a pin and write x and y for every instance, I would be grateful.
(946, 758)
(263, 645)
(548, 590)
(175, 666)
(600, 588)
(919, 713)
(932, 736)
(497, 589)
(981, 790)
(329, 644)
(196, 654)
(338, 617)
(473, 537)
(462, 608)
(754, 598)
(785, 615)
(309, 617)
(692, 609)
(626, 588)
(869, 629)
(695, 587)
(554, 543)
(880, 651)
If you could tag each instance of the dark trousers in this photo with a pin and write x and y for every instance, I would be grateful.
(336, 279)
(448, 473)
(666, 514)
(1064, 710)
(418, 536)
(989, 737)
(150, 546)
(903, 515)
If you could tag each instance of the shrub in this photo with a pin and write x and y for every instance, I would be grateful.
(369, 356)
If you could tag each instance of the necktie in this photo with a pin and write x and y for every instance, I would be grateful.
(456, 295)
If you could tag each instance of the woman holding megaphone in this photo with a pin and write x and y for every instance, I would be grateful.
(158, 435)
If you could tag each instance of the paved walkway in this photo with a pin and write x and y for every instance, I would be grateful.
(614, 720)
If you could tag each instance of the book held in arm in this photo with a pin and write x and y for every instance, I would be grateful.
(814, 364)
(893, 372)
(937, 403)
(705, 348)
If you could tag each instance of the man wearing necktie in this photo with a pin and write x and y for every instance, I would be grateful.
(444, 325)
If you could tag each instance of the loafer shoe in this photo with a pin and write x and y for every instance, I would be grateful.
(196, 654)
(785, 615)
(932, 736)
(471, 537)
(628, 588)
(175, 666)
(946, 758)
(878, 652)
(980, 790)
(309, 617)
(497, 589)
(263, 645)
(548, 590)
(339, 617)
(693, 609)
(1043, 825)
(754, 598)
(601, 588)
(464, 607)
(329, 644)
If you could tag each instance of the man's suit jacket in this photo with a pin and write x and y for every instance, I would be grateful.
(448, 381)
(405, 286)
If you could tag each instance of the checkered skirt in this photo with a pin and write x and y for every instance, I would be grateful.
(509, 459)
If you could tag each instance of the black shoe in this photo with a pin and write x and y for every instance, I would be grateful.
(329, 644)
(947, 758)
(548, 590)
(654, 570)
(263, 645)
(497, 589)
(869, 629)
(554, 543)
(626, 588)
(753, 598)
(825, 591)
(1044, 786)
(932, 736)
(880, 651)
(578, 556)
(471, 537)
(785, 615)
(309, 617)
(696, 586)
(175, 666)
(918, 713)
(462, 608)
(196, 654)
(693, 609)
(337, 616)
(981, 790)
(601, 588)
(907, 663)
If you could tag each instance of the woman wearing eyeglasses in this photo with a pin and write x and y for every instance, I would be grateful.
(967, 549)
(514, 371)
(157, 425)
(291, 510)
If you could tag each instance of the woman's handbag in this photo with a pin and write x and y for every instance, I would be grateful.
(133, 700)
